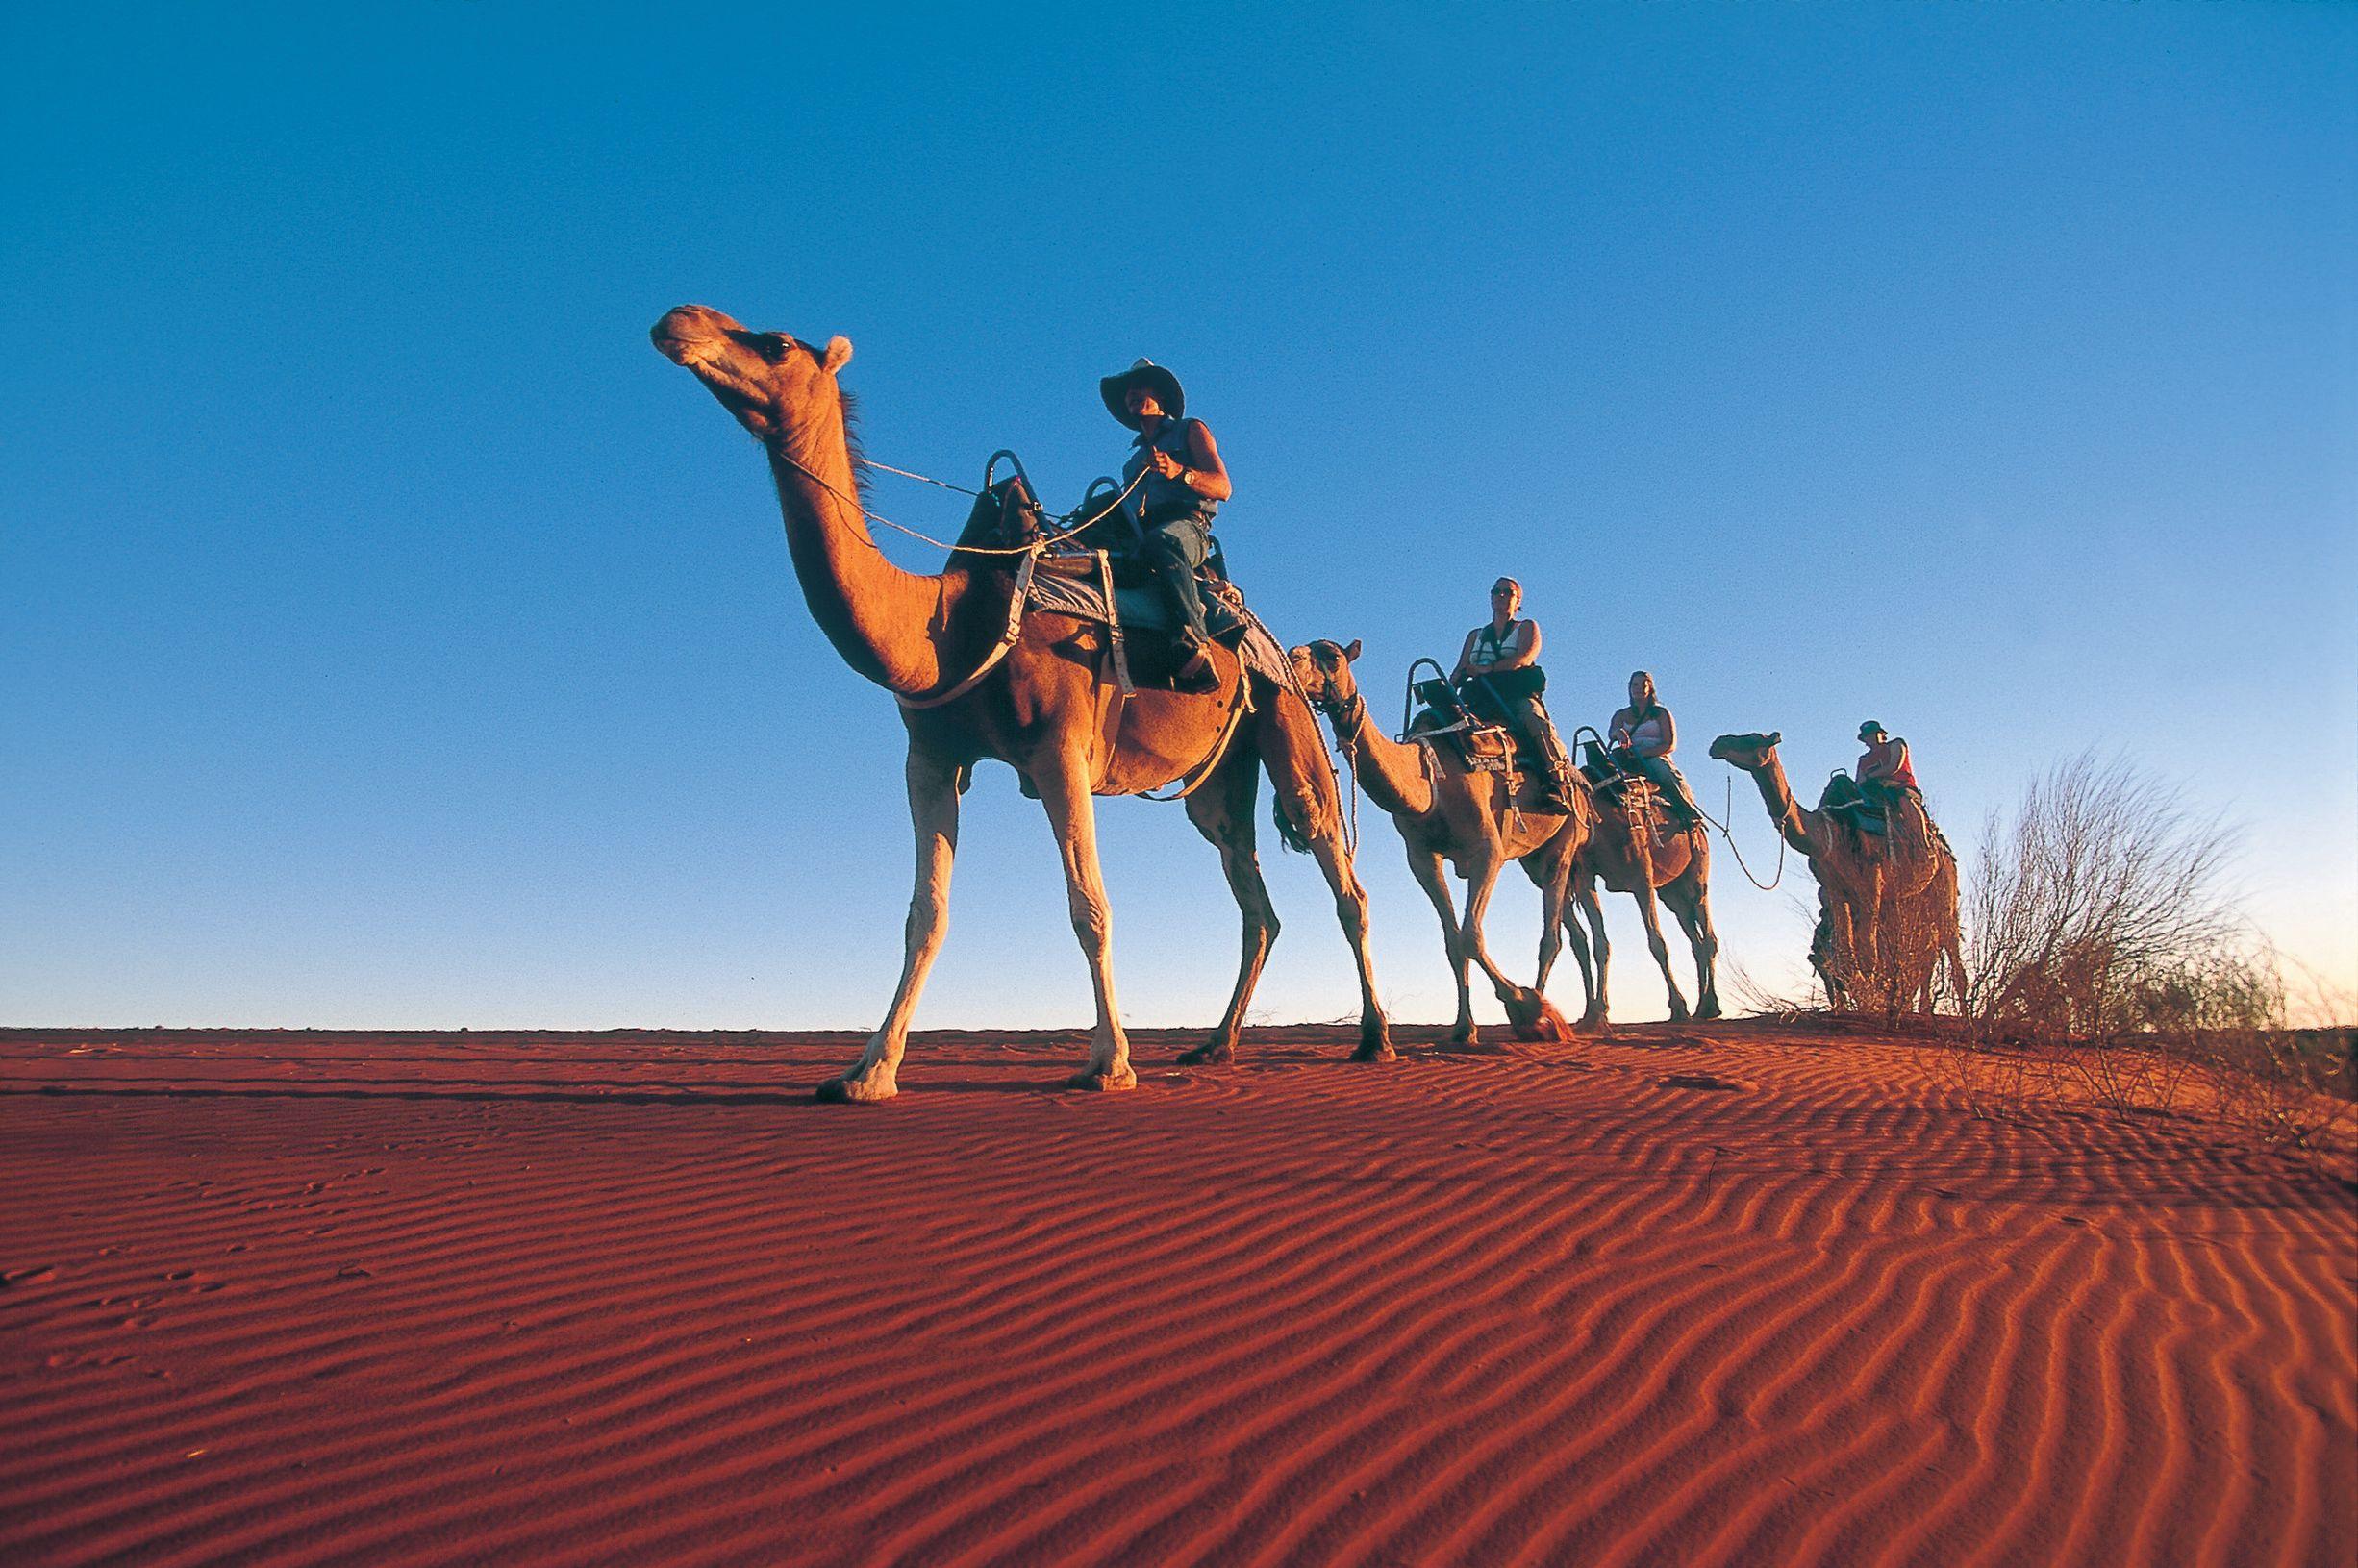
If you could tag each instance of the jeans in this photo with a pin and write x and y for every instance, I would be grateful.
(1665, 778)
(1527, 716)
(1177, 538)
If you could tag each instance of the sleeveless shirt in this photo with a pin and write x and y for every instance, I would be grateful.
(1490, 644)
(1157, 490)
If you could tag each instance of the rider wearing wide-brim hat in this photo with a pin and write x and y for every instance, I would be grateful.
(1174, 482)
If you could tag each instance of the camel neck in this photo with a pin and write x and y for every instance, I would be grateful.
(1797, 824)
(885, 622)
(1391, 771)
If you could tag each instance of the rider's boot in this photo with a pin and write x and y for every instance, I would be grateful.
(1196, 673)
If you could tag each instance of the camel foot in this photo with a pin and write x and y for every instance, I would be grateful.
(1104, 1081)
(1464, 1034)
(1708, 1007)
(1210, 1054)
(1678, 1010)
(1534, 1017)
(1594, 1017)
(1376, 1051)
(851, 1089)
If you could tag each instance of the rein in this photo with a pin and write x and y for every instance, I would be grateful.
(777, 449)
(1030, 552)
(1354, 714)
(1729, 808)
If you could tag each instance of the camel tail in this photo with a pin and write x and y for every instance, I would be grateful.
(1294, 838)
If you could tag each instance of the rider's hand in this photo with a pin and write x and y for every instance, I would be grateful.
(1168, 466)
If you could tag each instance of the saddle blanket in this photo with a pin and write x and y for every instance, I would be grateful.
(1145, 610)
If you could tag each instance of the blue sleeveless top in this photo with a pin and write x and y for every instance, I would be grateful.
(1158, 491)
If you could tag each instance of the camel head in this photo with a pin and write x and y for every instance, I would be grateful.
(1751, 753)
(769, 380)
(1325, 670)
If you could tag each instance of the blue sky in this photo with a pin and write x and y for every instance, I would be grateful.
(391, 638)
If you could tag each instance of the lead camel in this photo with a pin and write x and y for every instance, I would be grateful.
(1045, 708)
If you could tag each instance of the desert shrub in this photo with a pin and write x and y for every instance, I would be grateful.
(2107, 959)
(2101, 908)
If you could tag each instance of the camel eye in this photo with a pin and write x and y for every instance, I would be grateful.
(772, 345)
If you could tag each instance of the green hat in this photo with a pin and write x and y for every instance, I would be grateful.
(1154, 379)
(1870, 728)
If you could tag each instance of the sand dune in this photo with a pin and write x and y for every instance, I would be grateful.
(1719, 1295)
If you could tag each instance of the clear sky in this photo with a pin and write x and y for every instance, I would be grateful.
(390, 636)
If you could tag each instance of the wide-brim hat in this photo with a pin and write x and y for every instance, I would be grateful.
(1154, 379)
(1870, 728)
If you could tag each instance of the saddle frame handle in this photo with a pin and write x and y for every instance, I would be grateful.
(1408, 695)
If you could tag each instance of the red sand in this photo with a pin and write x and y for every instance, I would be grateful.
(306, 1298)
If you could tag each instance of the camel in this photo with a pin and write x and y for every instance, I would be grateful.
(1448, 811)
(1045, 707)
(1887, 904)
(1634, 850)
(1913, 935)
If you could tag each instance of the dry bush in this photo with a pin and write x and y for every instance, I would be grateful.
(2108, 961)
(2101, 908)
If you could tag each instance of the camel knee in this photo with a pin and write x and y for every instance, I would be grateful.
(1092, 921)
(929, 918)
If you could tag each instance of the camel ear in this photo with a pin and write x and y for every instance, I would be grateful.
(838, 353)
(1775, 736)
(1352, 651)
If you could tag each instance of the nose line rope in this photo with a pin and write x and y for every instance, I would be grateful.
(1730, 809)
(778, 449)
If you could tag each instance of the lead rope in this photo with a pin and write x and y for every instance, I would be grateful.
(1357, 713)
(1040, 543)
(1730, 809)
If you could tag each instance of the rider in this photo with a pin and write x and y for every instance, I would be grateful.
(1639, 740)
(1184, 482)
(1499, 673)
(1882, 771)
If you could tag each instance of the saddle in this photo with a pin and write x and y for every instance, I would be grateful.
(1913, 832)
(1480, 745)
(1444, 720)
(1633, 793)
(1844, 800)
(1096, 573)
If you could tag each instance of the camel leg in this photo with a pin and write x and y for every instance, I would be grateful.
(1577, 942)
(1593, 911)
(1649, 915)
(1351, 908)
(1294, 754)
(1845, 977)
(1690, 907)
(1527, 1010)
(1223, 811)
(1865, 947)
(1426, 867)
(1481, 879)
(1065, 792)
(1551, 914)
(932, 808)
